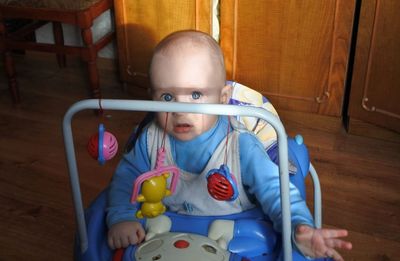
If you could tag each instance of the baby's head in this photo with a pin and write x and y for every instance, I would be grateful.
(188, 66)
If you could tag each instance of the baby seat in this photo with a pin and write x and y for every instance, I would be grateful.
(244, 236)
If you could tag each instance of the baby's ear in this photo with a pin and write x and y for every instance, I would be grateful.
(225, 94)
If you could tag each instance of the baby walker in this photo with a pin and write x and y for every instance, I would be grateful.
(244, 236)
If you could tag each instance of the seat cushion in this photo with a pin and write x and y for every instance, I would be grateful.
(51, 4)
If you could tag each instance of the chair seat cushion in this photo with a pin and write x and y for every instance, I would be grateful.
(72, 5)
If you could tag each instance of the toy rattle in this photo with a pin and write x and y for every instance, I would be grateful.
(221, 184)
(153, 187)
(103, 145)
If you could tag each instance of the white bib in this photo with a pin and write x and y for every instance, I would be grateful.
(191, 196)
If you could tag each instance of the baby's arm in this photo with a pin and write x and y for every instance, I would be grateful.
(321, 242)
(262, 179)
(124, 228)
(126, 233)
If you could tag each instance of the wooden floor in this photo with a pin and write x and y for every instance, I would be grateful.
(360, 176)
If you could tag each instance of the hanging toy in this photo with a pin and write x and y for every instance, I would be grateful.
(102, 146)
(153, 187)
(221, 184)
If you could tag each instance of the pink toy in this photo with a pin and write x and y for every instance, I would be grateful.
(103, 145)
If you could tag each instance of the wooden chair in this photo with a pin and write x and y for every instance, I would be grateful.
(80, 13)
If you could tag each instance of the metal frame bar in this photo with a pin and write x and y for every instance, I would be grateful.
(317, 197)
(156, 106)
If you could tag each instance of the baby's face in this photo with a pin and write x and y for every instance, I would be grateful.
(186, 76)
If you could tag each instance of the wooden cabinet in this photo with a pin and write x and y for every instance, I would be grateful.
(295, 52)
(141, 24)
(375, 88)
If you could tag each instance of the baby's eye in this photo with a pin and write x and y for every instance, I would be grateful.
(166, 97)
(196, 95)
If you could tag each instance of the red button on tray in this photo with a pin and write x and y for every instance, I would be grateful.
(181, 244)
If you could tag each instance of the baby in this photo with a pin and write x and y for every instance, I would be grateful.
(188, 66)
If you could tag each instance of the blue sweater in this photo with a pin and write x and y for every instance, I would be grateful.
(260, 175)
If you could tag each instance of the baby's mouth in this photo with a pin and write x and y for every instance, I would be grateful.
(182, 128)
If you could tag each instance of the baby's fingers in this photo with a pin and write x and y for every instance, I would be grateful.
(334, 233)
(332, 253)
(117, 243)
(338, 243)
(133, 239)
(124, 242)
(111, 242)
(140, 234)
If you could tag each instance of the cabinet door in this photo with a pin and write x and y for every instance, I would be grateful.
(375, 89)
(295, 52)
(141, 24)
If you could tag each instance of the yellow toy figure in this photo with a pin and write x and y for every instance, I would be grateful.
(153, 191)
(153, 186)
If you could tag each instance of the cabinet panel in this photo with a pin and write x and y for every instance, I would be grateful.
(141, 24)
(295, 52)
(375, 89)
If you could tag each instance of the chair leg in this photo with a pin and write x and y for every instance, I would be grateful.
(59, 40)
(8, 64)
(11, 75)
(91, 57)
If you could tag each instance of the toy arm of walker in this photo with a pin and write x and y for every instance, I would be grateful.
(222, 232)
(156, 226)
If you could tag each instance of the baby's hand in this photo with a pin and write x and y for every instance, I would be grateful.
(321, 242)
(126, 233)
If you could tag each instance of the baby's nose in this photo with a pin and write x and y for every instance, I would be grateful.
(178, 114)
(182, 98)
